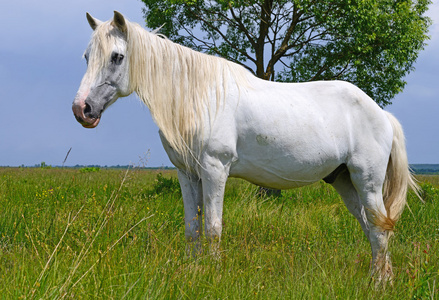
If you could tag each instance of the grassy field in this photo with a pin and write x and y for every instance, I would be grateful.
(107, 234)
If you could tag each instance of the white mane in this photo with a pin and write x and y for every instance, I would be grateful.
(174, 82)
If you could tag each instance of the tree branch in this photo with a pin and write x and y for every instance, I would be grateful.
(223, 36)
(242, 27)
(284, 44)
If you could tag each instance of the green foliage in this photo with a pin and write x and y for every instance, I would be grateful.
(166, 186)
(105, 235)
(373, 44)
(429, 193)
(89, 169)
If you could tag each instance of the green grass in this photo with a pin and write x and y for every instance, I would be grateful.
(111, 234)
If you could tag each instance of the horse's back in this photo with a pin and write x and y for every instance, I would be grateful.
(288, 135)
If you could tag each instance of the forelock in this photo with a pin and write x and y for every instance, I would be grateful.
(101, 45)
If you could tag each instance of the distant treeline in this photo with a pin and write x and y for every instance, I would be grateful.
(417, 168)
(43, 165)
(425, 168)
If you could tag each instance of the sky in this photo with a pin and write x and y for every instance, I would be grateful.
(41, 67)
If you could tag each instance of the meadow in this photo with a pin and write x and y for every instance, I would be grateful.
(119, 234)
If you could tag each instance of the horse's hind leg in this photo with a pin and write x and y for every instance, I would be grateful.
(343, 185)
(368, 181)
(365, 209)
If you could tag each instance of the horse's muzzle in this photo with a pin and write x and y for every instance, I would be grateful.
(80, 112)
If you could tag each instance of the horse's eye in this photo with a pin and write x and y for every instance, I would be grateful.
(117, 58)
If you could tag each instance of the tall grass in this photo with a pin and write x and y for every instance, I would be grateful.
(66, 234)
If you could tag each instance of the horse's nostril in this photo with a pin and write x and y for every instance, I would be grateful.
(87, 110)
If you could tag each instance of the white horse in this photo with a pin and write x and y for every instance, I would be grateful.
(217, 120)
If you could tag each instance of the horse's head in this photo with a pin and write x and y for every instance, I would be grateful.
(107, 76)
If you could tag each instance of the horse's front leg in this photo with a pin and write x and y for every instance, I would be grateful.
(213, 176)
(193, 207)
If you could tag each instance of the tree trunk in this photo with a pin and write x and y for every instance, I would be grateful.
(266, 192)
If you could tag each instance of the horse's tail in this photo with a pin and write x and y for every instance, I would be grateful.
(398, 179)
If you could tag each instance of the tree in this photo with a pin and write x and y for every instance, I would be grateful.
(371, 43)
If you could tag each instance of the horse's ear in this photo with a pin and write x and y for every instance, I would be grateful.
(119, 21)
(93, 22)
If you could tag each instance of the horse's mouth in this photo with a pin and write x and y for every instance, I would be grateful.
(90, 125)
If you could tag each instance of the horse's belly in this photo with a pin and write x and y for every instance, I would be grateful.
(274, 181)
(284, 172)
